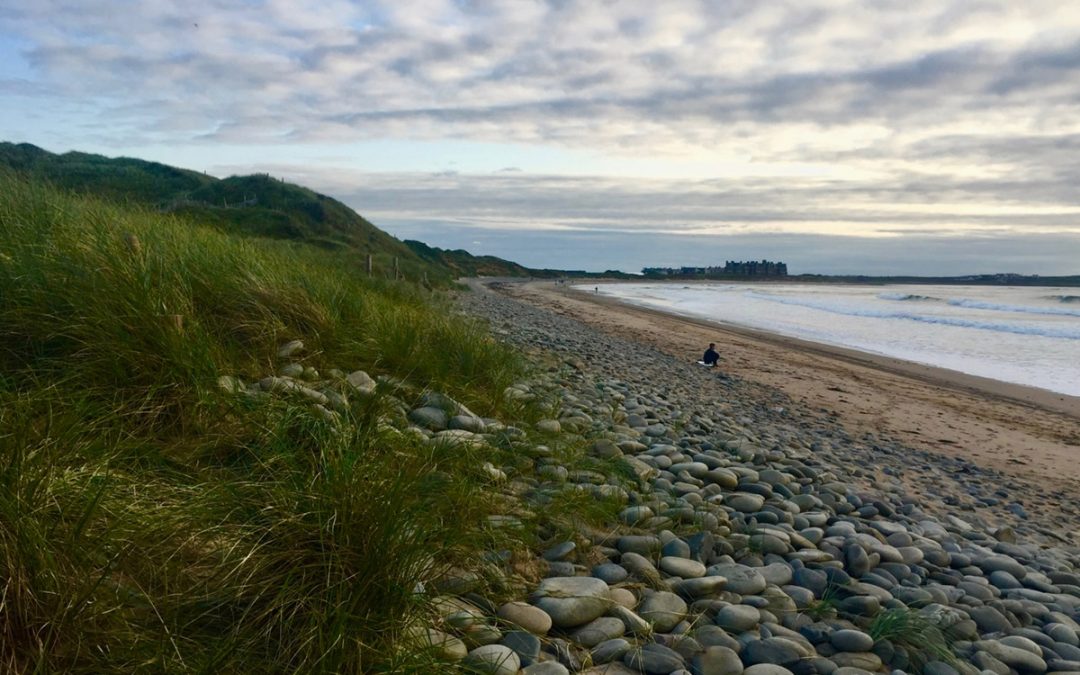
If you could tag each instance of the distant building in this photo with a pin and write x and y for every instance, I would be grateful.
(731, 268)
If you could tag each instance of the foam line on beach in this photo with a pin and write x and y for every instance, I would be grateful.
(995, 326)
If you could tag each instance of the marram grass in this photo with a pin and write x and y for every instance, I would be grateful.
(150, 522)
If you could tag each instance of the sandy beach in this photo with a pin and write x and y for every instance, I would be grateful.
(1030, 434)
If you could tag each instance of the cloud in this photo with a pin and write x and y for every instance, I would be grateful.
(630, 74)
(522, 201)
(830, 117)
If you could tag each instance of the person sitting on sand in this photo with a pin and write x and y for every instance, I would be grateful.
(711, 356)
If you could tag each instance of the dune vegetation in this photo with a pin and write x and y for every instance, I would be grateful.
(156, 516)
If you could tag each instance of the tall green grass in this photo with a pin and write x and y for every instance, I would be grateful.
(150, 522)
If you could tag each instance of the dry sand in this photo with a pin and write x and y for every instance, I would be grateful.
(1022, 432)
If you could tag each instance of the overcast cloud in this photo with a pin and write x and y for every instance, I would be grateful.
(871, 126)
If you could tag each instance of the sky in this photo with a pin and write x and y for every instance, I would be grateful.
(883, 137)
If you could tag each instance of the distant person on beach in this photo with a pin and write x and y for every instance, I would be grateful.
(711, 356)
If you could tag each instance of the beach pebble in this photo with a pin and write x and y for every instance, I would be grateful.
(664, 610)
(572, 601)
(493, 659)
(526, 616)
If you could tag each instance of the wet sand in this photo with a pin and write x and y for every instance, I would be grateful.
(1022, 432)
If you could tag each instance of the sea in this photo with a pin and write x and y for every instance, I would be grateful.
(1020, 334)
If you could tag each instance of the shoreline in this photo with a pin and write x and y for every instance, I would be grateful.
(1024, 432)
(1013, 392)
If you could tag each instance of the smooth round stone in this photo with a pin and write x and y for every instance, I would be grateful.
(777, 574)
(717, 661)
(815, 581)
(546, 668)
(989, 620)
(623, 597)
(851, 641)
(664, 610)
(676, 548)
(695, 469)
(745, 502)
(803, 597)
(856, 560)
(653, 659)
(725, 478)
(639, 566)
(481, 634)
(1001, 562)
(769, 543)
(740, 578)
(554, 473)
(431, 418)
(862, 605)
(641, 544)
(1013, 657)
(572, 601)
(655, 430)
(682, 567)
(767, 669)
(1062, 633)
(609, 650)
(361, 382)
(775, 650)
(1021, 642)
(548, 426)
(634, 624)
(610, 573)
(864, 660)
(632, 515)
(289, 348)
(291, 370)
(560, 551)
(494, 660)
(738, 618)
(700, 587)
(561, 568)
(466, 423)
(1003, 580)
(939, 668)
(604, 447)
(708, 635)
(525, 645)
(912, 597)
(912, 555)
(463, 620)
(598, 630)
(983, 592)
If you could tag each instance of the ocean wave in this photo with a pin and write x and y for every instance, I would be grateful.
(1025, 309)
(902, 297)
(1068, 333)
(1064, 298)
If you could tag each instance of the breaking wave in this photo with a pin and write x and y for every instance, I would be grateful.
(905, 297)
(1026, 309)
(1068, 333)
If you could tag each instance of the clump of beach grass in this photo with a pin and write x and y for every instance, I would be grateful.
(149, 521)
(920, 635)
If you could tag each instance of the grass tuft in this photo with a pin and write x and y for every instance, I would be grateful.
(916, 632)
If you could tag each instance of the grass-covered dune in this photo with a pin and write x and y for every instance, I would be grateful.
(152, 520)
(256, 205)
